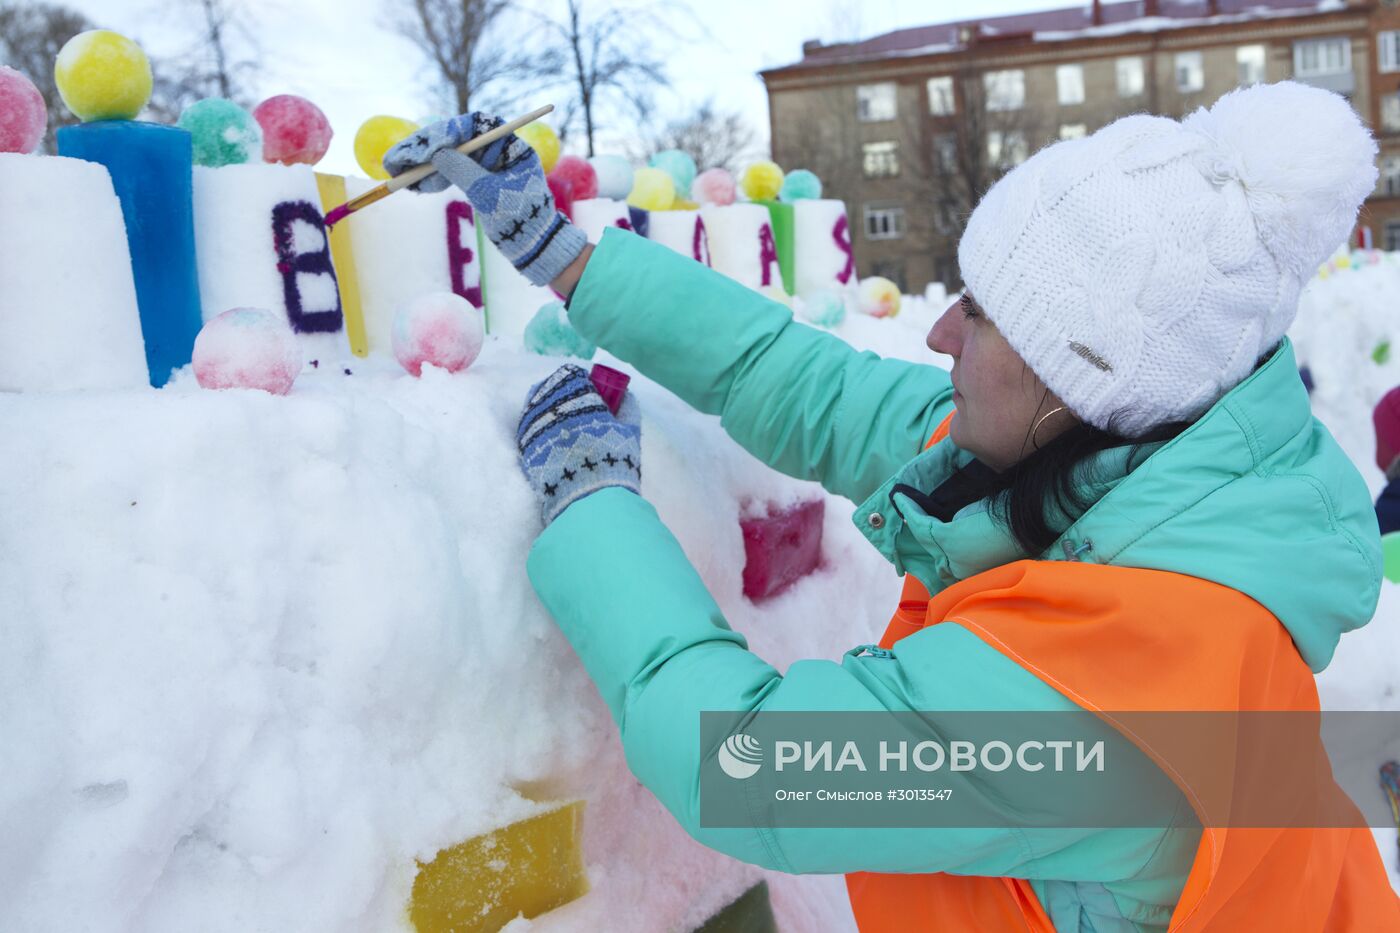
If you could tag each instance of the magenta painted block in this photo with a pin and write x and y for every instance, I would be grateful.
(611, 385)
(782, 548)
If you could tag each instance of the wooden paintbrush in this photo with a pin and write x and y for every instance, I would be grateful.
(415, 175)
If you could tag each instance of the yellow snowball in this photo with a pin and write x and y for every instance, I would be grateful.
(541, 138)
(681, 204)
(762, 181)
(373, 139)
(652, 190)
(879, 297)
(102, 75)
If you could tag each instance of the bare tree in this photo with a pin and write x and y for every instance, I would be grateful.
(957, 152)
(712, 137)
(608, 54)
(222, 60)
(31, 35)
(934, 162)
(219, 19)
(458, 37)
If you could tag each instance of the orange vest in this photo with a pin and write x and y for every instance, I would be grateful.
(1088, 630)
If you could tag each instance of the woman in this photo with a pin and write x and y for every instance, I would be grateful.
(1117, 500)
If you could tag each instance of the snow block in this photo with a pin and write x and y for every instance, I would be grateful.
(150, 168)
(595, 215)
(511, 299)
(780, 215)
(822, 255)
(742, 245)
(781, 548)
(407, 246)
(68, 308)
(750, 912)
(682, 231)
(528, 867)
(262, 243)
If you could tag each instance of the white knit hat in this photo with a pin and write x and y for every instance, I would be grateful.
(1141, 271)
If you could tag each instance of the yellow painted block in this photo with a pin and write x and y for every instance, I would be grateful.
(332, 190)
(528, 867)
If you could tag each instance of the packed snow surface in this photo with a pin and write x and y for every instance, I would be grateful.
(261, 653)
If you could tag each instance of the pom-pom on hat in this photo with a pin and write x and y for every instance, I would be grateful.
(1386, 418)
(1142, 271)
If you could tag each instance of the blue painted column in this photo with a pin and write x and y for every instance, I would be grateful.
(152, 172)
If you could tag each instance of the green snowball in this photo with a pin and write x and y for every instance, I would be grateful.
(824, 308)
(549, 333)
(680, 166)
(800, 185)
(1390, 556)
(224, 133)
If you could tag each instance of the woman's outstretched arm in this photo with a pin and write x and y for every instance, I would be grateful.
(800, 399)
(661, 653)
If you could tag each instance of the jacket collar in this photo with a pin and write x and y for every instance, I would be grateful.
(1255, 495)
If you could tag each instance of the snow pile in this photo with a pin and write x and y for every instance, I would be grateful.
(262, 653)
(68, 317)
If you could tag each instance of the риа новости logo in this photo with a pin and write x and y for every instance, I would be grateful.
(740, 756)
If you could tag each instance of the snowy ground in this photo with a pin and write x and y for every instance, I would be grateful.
(262, 653)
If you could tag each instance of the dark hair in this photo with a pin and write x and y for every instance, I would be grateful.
(1050, 476)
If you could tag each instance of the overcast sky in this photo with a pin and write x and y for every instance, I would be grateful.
(341, 55)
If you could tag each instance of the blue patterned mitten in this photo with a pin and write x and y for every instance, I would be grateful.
(572, 445)
(506, 186)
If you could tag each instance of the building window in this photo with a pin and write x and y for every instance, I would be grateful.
(884, 222)
(1006, 149)
(1390, 176)
(1390, 113)
(945, 149)
(1316, 57)
(940, 97)
(1069, 80)
(1249, 64)
(1006, 90)
(1389, 50)
(1392, 236)
(1073, 131)
(945, 217)
(875, 102)
(1190, 72)
(881, 159)
(1130, 81)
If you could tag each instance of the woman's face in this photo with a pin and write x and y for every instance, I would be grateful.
(997, 396)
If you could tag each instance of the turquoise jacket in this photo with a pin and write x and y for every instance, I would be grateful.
(1256, 495)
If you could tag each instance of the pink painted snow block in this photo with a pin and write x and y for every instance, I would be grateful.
(782, 548)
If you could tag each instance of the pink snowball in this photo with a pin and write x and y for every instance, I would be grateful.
(441, 328)
(579, 174)
(294, 130)
(23, 116)
(247, 348)
(563, 193)
(713, 186)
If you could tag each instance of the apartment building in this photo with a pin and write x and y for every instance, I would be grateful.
(910, 127)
